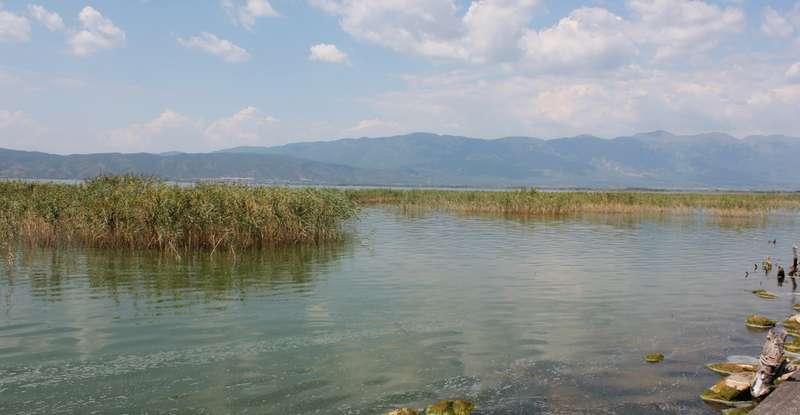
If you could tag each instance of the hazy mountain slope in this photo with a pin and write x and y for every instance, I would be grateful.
(657, 159)
(262, 167)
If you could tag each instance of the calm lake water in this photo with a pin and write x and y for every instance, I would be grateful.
(521, 316)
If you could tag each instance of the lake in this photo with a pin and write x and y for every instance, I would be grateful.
(521, 316)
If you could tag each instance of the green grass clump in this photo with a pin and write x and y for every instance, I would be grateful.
(138, 212)
(532, 202)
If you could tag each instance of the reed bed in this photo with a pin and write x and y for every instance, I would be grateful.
(145, 213)
(535, 203)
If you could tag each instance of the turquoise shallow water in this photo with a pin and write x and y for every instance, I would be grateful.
(534, 316)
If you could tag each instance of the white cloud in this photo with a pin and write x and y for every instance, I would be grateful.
(97, 33)
(247, 126)
(489, 30)
(326, 52)
(776, 25)
(14, 28)
(494, 28)
(374, 127)
(793, 73)
(171, 131)
(245, 14)
(154, 135)
(743, 100)
(210, 43)
(51, 20)
(492, 31)
(19, 131)
(588, 39)
(684, 27)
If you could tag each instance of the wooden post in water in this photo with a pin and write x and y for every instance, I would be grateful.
(771, 360)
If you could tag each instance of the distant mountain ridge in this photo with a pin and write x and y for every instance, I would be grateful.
(182, 166)
(657, 159)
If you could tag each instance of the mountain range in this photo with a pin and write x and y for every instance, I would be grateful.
(649, 160)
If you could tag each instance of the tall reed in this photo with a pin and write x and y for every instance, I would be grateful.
(138, 212)
(532, 202)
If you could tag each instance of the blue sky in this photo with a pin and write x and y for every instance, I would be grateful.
(158, 75)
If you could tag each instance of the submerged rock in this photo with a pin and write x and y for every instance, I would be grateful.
(731, 368)
(761, 293)
(738, 411)
(654, 358)
(404, 411)
(731, 391)
(450, 408)
(796, 307)
(759, 322)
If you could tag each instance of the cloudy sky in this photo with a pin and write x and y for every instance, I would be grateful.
(158, 75)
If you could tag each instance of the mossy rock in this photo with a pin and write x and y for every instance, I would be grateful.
(654, 358)
(404, 411)
(761, 293)
(731, 368)
(450, 408)
(792, 325)
(792, 346)
(732, 391)
(759, 322)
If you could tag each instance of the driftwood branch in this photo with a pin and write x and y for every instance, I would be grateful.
(770, 361)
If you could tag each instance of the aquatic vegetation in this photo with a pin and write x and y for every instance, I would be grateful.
(404, 411)
(759, 322)
(450, 408)
(532, 202)
(654, 358)
(138, 212)
(792, 346)
(731, 391)
(765, 294)
(731, 368)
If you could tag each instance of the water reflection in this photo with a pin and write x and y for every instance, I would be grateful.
(619, 220)
(176, 282)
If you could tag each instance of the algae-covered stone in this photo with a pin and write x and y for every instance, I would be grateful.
(731, 391)
(761, 293)
(796, 307)
(731, 368)
(404, 411)
(759, 322)
(792, 325)
(450, 408)
(654, 358)
(792, 346)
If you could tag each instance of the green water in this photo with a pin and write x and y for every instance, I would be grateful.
(520, 316)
